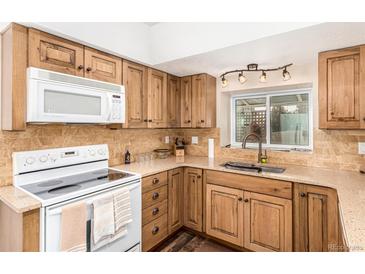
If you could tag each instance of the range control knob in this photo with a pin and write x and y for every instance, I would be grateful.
(92, 152)
(43, 158)
(101, 151)
(30, 160)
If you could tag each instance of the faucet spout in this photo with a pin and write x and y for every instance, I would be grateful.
(244, 141)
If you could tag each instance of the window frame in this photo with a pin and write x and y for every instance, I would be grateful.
(267, 95)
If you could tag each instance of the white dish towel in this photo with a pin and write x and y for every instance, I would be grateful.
(103, 218)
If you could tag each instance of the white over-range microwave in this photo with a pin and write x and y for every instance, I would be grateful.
(54, 97)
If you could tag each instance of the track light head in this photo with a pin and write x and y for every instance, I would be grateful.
(263, 77)
(224, 82)
(241, 78)
(286, 75)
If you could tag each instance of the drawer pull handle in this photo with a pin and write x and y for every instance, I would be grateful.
(155, 211)
(89, 69)
(246, 200)
(155, 230)
(155, 181)
(155, 195)
(80, 67)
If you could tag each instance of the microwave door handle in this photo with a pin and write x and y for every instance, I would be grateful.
(109, 106)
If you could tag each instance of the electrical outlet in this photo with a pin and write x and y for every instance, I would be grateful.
(167, 139)
(362, 148)
(194, 140)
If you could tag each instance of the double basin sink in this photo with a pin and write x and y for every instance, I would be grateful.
(252, 167)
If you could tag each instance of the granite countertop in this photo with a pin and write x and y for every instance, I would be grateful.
(350, 187)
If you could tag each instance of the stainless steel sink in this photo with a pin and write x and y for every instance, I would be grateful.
(252, 167)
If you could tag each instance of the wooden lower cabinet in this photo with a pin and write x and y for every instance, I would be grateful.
(175, 199)
(316, 219)
(193, 198)
(224, 213)
(267, 223)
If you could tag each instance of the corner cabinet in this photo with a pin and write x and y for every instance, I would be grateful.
(173, 101)
(316, 219)
(342, 88)
(186, 102)
(203, 101)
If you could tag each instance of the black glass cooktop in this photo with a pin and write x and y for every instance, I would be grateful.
(64, 185)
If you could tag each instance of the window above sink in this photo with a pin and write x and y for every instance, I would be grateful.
(285, 119)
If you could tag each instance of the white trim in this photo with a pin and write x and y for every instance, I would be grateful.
(267, 95)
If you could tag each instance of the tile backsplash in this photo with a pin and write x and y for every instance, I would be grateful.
(334, 149)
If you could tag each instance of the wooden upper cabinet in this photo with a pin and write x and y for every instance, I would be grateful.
(102, 66)
(13, 75)
(203, 101)
(50, 52)
(342, 88)
(157, 99)
(267, 223)
(175, 199)
(186, 102)
(316, 219)
(224, 213)
(193, 199)
(135, 83)
(173, 101)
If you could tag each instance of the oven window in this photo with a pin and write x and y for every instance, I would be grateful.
(71, 103)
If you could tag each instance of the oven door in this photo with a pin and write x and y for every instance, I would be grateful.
(51, 224)
(66, 103)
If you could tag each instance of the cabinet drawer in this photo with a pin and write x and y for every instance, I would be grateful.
(153, 212)
(154, 232)
(154, 181)
(271, 187)
(154, 196)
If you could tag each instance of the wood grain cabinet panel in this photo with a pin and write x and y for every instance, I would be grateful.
(224, 213)
(154, 232)
(193, 199)
(135, 83)
(316, 219)
(342, 89)
(102, 66)
(173, 101)
(175, 199)
(186, 102)
(50, 52)
(157, 99)
(267, 223)
(203, 101)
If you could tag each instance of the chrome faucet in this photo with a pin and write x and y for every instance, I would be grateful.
(259, 155)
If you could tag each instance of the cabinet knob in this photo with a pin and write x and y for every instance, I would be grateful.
(202, 121)
(332, 113)
(145, 120)
(80, 67)
(155, 195)
(155, 181)
(155, 211)
(155, 230)
(363, 119)
(89, 69)
(302, 194)
(240, 199)
(246, 200)
(198, 176)
(150, 120)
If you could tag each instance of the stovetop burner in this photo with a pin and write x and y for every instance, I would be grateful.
(50, 183)
(64, 189)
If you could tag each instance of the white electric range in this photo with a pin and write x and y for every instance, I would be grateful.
(62, 176)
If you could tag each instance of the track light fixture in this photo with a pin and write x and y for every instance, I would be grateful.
(255, 68)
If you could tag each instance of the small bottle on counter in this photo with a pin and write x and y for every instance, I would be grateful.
(127, 157)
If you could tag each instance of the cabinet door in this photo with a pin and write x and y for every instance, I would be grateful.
(267, 223)
(46, 51)
(193, 199)
(135, 83)
(173, 101)
(340, 81)
(316, 218)
(224, 213)
(203, 101)
(157, 99)
(186, 101)
(199, 100)
(102, 66)
(175, 199)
